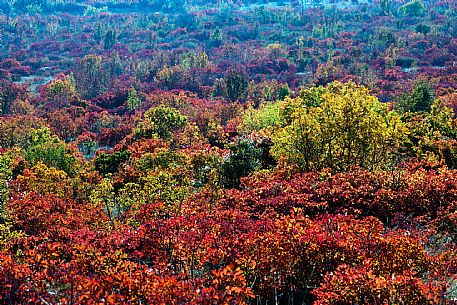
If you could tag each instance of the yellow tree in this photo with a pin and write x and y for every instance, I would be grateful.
(433, 134)
(339, 126)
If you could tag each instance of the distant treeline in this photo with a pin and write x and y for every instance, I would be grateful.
(80, 6)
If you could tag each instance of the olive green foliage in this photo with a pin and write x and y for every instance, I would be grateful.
(432, 134)
(166, 180)
(103, 195)
(8, 233)
(15, 132)
(133, 99)
(311, 97)
(192, 60)
(109, 163)
(162, 158)
(161, 122)
(50, 150)
(7, 230)
(91, 76)
(61, 92)
(266, 116)
(236, 84)
(244, 159)
(420, 99)
(88, 148)
(6, 174)
(206, 169)
(283, 91)
(337, 127)
(170, 187)
(413, 8)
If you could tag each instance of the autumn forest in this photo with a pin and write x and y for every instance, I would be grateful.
(296, 152)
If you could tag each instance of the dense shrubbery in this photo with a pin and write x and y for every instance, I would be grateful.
(179, 160)
(166, 216)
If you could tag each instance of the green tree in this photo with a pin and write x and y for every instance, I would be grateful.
(420, 99)
(432, 134)
(6, 174)
(133, 99)
(50, 150)
(161, 122)
(61, 92)
(109, 163)
(169, 187)
(91, 76)
(244, 159)
(8, 231)
(236, 84)
(414, 8)
(267, 116)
